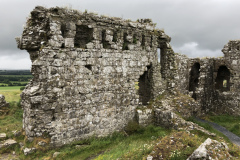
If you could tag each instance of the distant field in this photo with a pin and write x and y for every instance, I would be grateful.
(11, 93)
(30, 76)
(22, 82)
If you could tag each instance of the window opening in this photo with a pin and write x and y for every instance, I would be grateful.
(83, 36)
(194, 79)
(89, 67)
(143, 41)
(151, 44)
(144, 90)
(159, 55)
(104, 42)
(222, 81)
(134, 39)
(125, 42)
(115, 36)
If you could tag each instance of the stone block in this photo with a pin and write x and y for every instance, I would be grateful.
(69, 42)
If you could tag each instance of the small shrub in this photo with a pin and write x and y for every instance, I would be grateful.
(22, 88)
(132, 127)
(235, 128)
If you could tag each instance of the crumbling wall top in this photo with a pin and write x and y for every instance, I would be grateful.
(58, 27)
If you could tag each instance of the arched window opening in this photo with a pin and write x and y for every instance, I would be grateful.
(194, 79)
(222, 81)
(144, 90)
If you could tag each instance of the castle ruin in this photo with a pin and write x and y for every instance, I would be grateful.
(86, 67)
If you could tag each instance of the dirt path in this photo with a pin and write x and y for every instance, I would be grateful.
(232, 137)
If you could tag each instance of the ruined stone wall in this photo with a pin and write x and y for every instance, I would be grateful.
(213, 82)
(182, 73)
(90, 73)
(85, 68)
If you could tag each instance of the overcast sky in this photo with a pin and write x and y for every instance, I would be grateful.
(198, 28)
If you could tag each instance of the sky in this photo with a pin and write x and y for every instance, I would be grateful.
(198, 28)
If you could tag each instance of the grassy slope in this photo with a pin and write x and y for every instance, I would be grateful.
(11, 93)
(118, 146)
(232, 123)
(135, 146)
(13, 120)
(30, 76)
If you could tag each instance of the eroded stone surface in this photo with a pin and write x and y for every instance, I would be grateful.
(90, 73)
(3, 102)
(28, 151)
(3, 136)
(7, 143)
(211, 149)
(84, 72)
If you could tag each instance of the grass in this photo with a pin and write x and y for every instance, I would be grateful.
(232, 123)
(136, 85)
(30, 76)
(117, 146)
(209, 128)
(134, 144)
(22, 82)
(13, 120)
(12, 94)
(177, 146)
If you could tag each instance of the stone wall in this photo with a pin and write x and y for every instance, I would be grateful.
(213, 82)
(85, 68)
(94, 74)
(3, 102)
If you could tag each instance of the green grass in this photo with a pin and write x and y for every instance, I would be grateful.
(13, 120)
(209, 128)
(11, 93)
(232, 123)
(118, 145)
(22, 82)
(134, 145)
(30, 76)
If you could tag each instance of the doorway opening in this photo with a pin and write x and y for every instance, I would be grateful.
(194, 79)
(222, 81)
(144, 84)
(83, 36)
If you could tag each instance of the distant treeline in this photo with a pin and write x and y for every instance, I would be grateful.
(14, 77)
(15, 72)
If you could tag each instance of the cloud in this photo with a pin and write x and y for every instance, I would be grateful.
(17, 60)
(208, 23)
(192, 50)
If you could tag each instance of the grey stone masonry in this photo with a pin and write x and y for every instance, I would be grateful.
(3, 102)
(91, 72)
(213, 82)
(85, 68)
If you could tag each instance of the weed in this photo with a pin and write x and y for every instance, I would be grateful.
(132, 127)
(12, 120)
